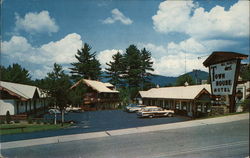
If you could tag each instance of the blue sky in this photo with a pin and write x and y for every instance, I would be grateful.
(37, 33)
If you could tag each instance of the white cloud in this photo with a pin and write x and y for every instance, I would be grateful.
(175, 16)
(174, 65)
(117, 15)
(61, 52)
(36, 23)
(169, 60)
(105, 56)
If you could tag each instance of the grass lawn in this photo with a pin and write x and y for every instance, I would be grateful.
(25, 127)
(229, 114)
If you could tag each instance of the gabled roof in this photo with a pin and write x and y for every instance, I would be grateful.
(217, 57)
(97, 85)
(182, 92)
(21, 91)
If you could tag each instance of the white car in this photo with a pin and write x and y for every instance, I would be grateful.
(54, 111)
(74, 109)
(134, 108)
(154, 111)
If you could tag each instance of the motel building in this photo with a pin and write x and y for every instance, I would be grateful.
(21, 99)
(97, 95)
(192, 100)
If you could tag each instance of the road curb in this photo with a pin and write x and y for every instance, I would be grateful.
(67, 138)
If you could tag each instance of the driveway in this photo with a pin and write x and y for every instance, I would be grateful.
(96, 121)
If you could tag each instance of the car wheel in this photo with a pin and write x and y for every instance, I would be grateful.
(170, 115)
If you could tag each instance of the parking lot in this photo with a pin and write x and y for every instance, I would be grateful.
(96, 121)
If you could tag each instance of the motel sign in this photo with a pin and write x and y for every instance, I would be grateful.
(224, 70)
(222, 77)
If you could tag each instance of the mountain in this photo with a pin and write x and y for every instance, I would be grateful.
(168, 80)
(162, 80)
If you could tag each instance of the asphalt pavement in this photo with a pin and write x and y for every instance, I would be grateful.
(217, 137)
(95, 121)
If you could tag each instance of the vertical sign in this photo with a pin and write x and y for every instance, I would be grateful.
(222, 77)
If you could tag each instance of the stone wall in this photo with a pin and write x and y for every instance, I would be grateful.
(219, 110)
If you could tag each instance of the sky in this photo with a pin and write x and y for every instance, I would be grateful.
(38, 33)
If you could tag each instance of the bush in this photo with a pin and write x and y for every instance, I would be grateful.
(38, 122)
(8, 117)
(30, 121)
(246, 104)
(2, 122)
(17, 121)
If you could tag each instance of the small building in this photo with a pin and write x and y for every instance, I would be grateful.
(20, 98)
(193, 101)
(98, 95)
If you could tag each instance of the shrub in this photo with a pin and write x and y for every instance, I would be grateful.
(38, 122)
(17, 121)
(30, 121)
(246, 104)
(8, 117)
(2, 122)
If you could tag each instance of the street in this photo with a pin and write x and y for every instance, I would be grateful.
(230, 139)
(95, 121)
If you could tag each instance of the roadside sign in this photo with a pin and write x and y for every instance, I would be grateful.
(224, 71)
(222, 77)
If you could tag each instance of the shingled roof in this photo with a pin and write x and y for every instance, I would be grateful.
(100, 87)
(182, 92)
(22, 91)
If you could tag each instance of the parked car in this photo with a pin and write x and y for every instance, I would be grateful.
(74, 109)
(54, 111)
(154, 111)
(134, 107)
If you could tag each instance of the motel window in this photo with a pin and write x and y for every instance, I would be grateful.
(199, 107)
(177, 105)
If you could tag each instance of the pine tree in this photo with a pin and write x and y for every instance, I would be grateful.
(115, 69)
(146, 67)
(132, 62)
(15, 73)
(87, 67)
(58, 84)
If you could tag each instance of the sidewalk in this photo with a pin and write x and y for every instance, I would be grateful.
(67, 138)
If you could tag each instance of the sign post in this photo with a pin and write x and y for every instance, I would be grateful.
(224, 70)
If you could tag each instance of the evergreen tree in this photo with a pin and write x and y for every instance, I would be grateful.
(184, 78)
(115, 69)
(16, 74)
(58, 84)
(146, 67)
(245, 72)
(132, 63)
(87, 67)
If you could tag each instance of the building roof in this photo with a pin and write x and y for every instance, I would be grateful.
(97, 85)
(182, 92)
(21, 91)
(217, 57)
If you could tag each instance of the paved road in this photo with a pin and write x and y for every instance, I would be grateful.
(96, 121)
(229, 139)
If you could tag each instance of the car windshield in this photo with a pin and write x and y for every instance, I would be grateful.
(132, 105)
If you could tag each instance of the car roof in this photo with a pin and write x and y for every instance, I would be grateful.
(152, 107)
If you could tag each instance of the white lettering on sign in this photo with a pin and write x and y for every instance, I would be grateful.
(222, 77)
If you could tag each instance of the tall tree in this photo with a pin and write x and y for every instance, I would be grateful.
(58, 84)
(133, 71)
(181, 80)
(88, 66)
(16, 74)
(245, 72)
(146, 67)
(115, 69)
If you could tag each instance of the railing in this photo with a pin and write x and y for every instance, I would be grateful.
(88, 100)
